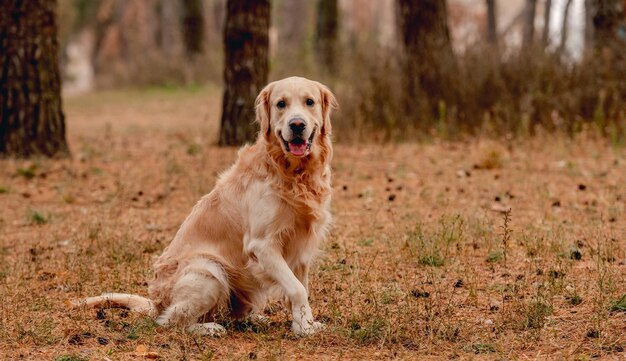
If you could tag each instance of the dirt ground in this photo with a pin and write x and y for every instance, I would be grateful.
(424, 262)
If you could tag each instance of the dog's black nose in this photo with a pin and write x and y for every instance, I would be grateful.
(297, 125)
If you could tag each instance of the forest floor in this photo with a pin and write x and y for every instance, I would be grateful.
(423, 262)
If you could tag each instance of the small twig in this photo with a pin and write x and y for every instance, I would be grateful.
(506, 235)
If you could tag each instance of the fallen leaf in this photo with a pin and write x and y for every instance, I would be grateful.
(142, 351)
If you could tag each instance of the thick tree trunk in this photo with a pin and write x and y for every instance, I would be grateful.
(492, 25)
(327, 29)
(429, 64)
(547, 10)
(193, 27)
(530, 11)
(31, 117)
(246, 43)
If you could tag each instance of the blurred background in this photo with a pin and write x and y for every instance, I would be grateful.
(512, 67)
(401, 69)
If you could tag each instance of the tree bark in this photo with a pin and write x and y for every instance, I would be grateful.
(529, 23)
(193, 27)
(492, 25)
(547, 11)
(32, 122)
(327, 28)
(246, 46)
(429, 61)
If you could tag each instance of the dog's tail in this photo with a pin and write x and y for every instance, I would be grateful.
(134, 303)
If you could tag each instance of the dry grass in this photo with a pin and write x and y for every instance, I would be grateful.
(514, 93)
(420, 264)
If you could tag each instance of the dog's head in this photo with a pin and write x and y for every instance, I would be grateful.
(294, 113)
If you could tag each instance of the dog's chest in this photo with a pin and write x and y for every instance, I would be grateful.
(310, 227)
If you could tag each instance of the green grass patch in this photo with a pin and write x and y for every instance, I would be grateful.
(432, 260)
(495, 256)
(145, 327)
(536, 314)
(619, 305)
(575, 300)
(28, 172)
(369, 333)
(36, 217)
(193, 149)
(481, 348)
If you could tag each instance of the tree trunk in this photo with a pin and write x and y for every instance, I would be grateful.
(564, 26)
(547, 11)
(492, 25)
(193, 27)
(294, 17)
(429, 63)
(246, 43)
(607, 16)
(529, 23)
(589, 24)
(169, 28)
(31, 117)
(327, 33)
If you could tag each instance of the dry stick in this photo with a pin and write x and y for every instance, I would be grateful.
(506, 235)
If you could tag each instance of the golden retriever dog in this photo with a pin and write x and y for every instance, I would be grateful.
(260, 227)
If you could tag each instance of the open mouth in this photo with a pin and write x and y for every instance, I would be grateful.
(298, 146)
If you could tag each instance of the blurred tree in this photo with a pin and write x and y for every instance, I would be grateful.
(492, 25)
(528, 35)
(564, 25)
(168, 28)
(608, 21)
(246, 47)
(218, 8)
(193, 27)
(293, 41)
(589, 24)
(547, 10)
(429, 62)
(327, 33)
(126, 35)
(31, 117)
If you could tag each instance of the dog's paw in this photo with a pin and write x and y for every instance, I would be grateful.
(207, 329)
(306, 328)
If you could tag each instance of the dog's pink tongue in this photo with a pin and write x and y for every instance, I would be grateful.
(297, 149)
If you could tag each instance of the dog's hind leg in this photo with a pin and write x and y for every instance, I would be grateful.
(203, 285)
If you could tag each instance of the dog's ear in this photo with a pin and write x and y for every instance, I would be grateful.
(329, 103)
(262, 105)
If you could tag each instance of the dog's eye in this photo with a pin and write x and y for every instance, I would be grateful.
(281, 104)
(310, 102)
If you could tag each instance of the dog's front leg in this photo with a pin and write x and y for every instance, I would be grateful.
(274, 265)
(302, 274)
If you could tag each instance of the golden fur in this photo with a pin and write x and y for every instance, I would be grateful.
(260, 227)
